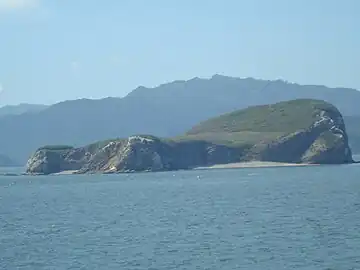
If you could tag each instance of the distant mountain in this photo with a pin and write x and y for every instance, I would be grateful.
(167, 110)
(352, 124)
(20, 109)
(5, 161)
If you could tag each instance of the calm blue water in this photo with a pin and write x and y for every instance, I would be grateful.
(274, 218)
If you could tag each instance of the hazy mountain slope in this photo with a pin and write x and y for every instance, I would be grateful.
(353, 129)
(233, 93)
(5, 161)
(167, 110)
(20, 109)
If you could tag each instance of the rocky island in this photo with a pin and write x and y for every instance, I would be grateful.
(302, 131)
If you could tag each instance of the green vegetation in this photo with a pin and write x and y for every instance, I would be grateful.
(231, 139)
(99, 144)
(282, 117)
(56, 147)
(259, 123)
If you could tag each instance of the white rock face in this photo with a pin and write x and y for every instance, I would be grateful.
(139, 139)
(137, 153)
(332, 138)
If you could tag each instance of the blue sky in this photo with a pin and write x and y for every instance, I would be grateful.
(53, 50)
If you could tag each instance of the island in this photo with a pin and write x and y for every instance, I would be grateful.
(301, 131)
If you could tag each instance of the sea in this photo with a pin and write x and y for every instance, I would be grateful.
(248, 218)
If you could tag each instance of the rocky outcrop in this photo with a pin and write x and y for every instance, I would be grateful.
(147, 153)
(47, 161)
(324, 141)
(135, 154)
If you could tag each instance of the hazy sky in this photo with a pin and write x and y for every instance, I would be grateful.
(53, 50)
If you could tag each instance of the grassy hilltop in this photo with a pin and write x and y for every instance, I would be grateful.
(259, 123)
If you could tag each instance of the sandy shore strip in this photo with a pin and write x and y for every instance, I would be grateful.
(253, 164)
(249, 164)
(65, 172)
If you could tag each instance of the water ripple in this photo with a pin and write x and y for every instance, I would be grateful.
(287, 218)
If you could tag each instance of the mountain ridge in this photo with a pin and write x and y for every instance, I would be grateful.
(21, 108)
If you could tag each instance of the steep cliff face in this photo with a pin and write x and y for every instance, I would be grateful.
(323, 142)
(144, 153)
(47, 161)
(331, 146)
(135, 154)
(303, 131)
